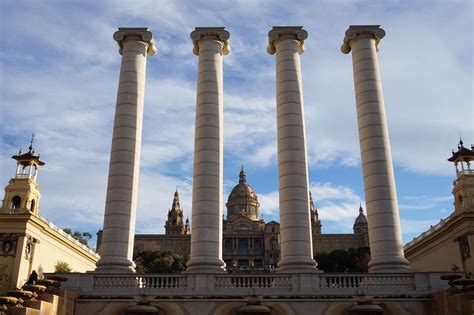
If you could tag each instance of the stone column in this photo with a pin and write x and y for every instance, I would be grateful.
(116, 249)
(295, 221)
(379, 184)
(210, 44)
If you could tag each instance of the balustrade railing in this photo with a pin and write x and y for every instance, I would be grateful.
(253, 281)
(319, 283)
(140, 282)
(367, 281)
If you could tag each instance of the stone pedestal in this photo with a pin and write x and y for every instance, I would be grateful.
(116, 249)
(210, 44)
(295, 221)
(380, 194)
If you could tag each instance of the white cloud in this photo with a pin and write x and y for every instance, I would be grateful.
(59, 77)
(337, 205)
(269, 204)
(423, 202)
(412, 228)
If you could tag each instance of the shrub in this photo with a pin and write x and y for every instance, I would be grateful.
(62, 266)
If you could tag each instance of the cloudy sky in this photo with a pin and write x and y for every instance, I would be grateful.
(59, 76)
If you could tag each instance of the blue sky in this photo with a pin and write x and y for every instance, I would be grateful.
(59, 75)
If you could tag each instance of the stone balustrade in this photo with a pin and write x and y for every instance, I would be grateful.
(253, 281)
(140, 282)
(367, 281)
(291, 285)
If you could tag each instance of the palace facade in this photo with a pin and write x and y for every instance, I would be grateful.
(249, 243)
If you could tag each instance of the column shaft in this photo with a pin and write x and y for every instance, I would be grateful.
(121, 201)
(206, 230)
(379, 184)
(295, 220)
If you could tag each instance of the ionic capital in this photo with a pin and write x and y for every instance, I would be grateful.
(138, 33)
(362, 31)
(216, 33)
(286, 32)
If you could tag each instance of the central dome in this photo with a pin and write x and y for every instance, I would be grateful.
(243, 200)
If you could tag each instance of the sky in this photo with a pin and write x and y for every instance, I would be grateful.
(59, 69)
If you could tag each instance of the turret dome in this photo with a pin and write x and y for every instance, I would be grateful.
(360, 224)
(243, 200)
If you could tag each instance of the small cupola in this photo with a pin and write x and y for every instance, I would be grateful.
(360, 223)
(463, 186)
(22, 192)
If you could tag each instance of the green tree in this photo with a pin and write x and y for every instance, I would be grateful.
(160, 262)
(62, 266)
(82, 237)
(351, 260)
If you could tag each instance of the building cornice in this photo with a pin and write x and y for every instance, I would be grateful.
(436, 232)
(51, 230)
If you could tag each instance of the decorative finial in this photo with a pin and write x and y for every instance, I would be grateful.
(461, 143)
(242, 177)
(361, 210)
(31, 143)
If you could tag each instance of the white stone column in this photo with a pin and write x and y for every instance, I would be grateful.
(210, 44)
(295, 221)
(379, 184)
(116, 249)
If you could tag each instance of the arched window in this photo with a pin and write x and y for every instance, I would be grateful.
(257, 246)
(243, 246)
(32, 206)
(16, 203)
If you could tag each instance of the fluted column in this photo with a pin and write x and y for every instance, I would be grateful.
(295, 221)
(210, 44)
(116, 249)
(379, 184)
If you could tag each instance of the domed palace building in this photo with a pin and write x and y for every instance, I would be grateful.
(249, 243)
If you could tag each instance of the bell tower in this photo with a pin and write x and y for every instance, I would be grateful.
(315, 222)
(463, 186)
(22, 192)
(175, 224)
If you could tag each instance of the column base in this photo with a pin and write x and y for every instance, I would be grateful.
(297, 265)
(115, 265)
(205, 265)
(390, 264)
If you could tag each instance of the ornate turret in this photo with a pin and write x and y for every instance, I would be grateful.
(175, 224)
(361, 228)
(360, 224)
(315, 222)
(22, 192)
(463, 186)
(242, 201)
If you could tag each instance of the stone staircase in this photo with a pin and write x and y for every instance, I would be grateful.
(45, 297)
